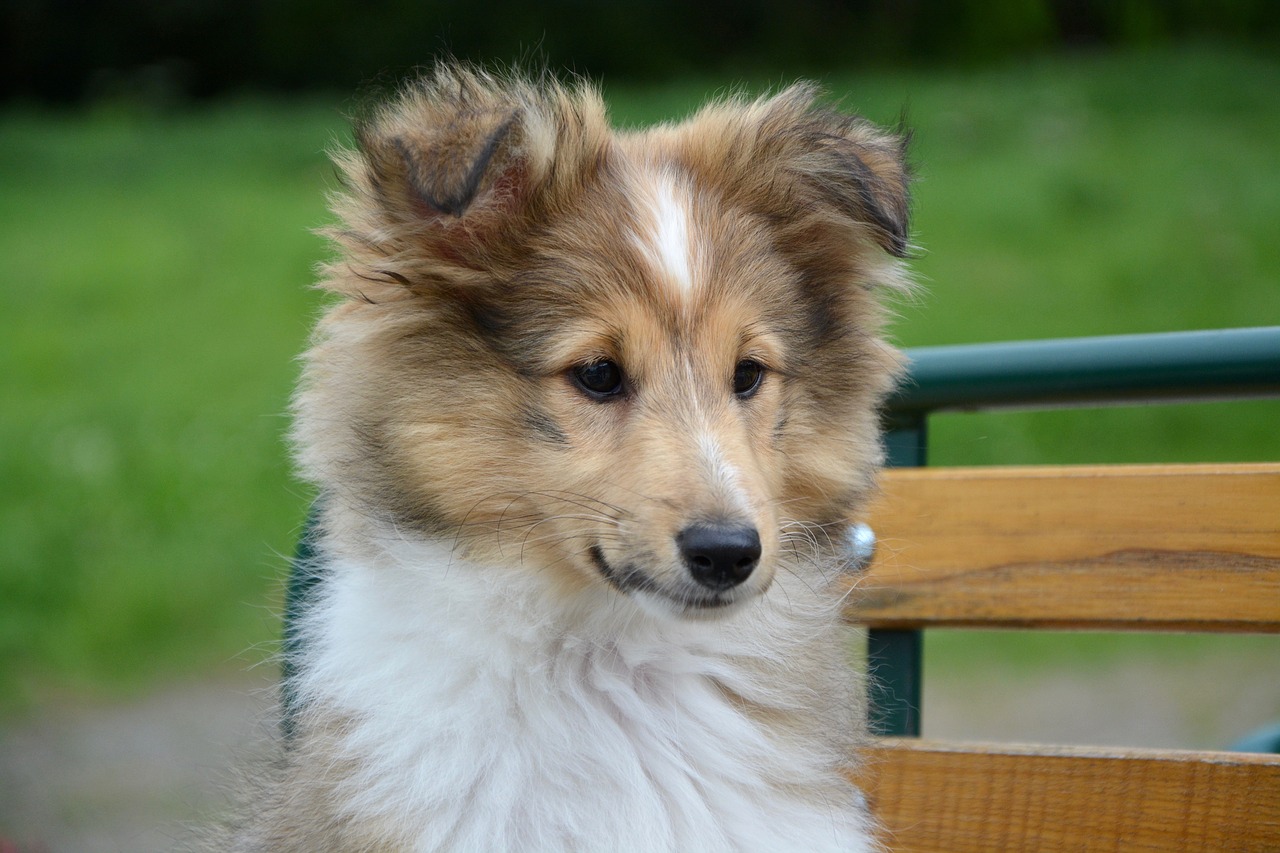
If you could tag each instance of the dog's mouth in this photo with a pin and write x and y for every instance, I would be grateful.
(686, 600)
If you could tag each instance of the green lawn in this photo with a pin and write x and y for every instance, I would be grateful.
(155, 294)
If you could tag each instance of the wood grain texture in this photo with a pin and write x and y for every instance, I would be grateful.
(1186, 547)
(931, 797)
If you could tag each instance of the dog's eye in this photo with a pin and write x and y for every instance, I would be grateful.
(599, 379)
(746, 377)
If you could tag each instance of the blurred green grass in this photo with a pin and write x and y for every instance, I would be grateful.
(155, 295)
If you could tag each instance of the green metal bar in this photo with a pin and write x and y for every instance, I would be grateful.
(305, 574)
(895, 658)
(895, 666)
(906, 441)
(1172, 366)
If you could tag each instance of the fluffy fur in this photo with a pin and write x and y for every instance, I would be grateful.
(509, 649)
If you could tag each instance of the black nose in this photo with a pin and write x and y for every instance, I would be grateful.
(719, 556)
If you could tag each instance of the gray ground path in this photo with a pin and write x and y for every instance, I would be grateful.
(127, 776)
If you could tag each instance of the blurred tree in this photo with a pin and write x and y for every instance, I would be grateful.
(66, 50)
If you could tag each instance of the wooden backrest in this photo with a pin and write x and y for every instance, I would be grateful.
(1194, 547)
(958, 798)
(1126, 547)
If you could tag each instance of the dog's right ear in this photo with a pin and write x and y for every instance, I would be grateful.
(447, 178)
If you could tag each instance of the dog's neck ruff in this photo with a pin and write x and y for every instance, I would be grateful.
(483, 711)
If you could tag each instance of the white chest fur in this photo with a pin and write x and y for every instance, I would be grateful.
(489, 713)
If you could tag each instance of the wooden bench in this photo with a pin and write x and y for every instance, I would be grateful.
(1115, 548)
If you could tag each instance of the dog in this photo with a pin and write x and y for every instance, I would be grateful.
(588, 418)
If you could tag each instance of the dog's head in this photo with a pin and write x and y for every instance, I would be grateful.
(649, 360)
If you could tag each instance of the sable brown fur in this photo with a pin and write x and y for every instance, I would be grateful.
(811, 184)
(494, 235)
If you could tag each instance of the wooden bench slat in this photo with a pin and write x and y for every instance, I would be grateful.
(1150, 547)
(932, 797)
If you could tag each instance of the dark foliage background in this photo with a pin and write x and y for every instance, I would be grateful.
(70, 50)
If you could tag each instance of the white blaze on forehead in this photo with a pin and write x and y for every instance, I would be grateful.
(664, 236)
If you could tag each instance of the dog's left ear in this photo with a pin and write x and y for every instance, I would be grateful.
(807, 166)
(861, 171)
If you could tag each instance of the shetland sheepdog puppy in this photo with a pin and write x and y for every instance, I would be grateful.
(588, 420)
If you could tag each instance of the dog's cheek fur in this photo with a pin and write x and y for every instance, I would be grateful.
(408, 414)
(831, 438)
(409, 401)
(831, 471)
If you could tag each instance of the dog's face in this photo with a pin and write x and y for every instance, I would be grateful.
(649, 361)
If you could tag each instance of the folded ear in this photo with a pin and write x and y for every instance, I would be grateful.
(429, 173)
(809, 166)
(861, 170)
(451, 174)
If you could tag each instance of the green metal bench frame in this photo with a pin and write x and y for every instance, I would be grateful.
(1229, 364)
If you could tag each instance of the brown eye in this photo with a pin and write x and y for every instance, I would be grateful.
(747, 376)
(599, 380)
